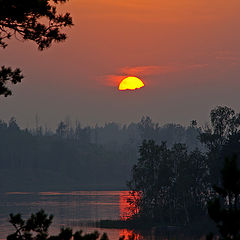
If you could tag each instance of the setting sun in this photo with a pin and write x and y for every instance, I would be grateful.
(131, 83)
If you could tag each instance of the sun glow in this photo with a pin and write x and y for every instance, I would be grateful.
(131, 83)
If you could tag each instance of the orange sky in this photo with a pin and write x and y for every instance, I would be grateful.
(186, 51)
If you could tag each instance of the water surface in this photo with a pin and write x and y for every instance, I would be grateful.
(70, 209)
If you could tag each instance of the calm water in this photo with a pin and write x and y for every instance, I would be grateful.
(72, 209)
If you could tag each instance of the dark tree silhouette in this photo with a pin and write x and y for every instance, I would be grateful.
(220, 138)
(224, 210)
(33, 20)
(168, 185)
(37, 226)
(148, 129)
(7, 75)
(224, 123)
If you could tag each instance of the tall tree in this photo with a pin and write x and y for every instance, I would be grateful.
(223, 131)
(148, 129)
(224, 123)
(168, 185)
(35, 20)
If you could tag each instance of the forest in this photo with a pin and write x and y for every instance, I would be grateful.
(77, 157)
(170, 184)
(174, 186)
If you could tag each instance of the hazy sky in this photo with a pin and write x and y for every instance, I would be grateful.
(186, 51)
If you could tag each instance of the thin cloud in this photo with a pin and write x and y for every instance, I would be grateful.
(157, 70)
(228, 56)
(145, 71)
(196, 66)
(113, 80)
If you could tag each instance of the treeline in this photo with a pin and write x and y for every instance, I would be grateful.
(116, 135)
(79, 157)
(171, 186)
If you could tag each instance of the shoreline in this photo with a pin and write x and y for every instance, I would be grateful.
(194, 230)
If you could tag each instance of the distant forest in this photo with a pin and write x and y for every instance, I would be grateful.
(80, 158)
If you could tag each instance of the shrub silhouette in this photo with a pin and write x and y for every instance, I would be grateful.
(37, 226)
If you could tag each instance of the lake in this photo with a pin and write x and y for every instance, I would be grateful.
(70, 209)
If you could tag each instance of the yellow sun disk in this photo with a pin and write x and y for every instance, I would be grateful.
(130, 83)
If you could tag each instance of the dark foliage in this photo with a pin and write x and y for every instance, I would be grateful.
(221, 138)
(27, 19)
(35, 20)
(224, 209)
(171, 185)
(72, 156)
(168, 185)
(7, 75)
(37, 227)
